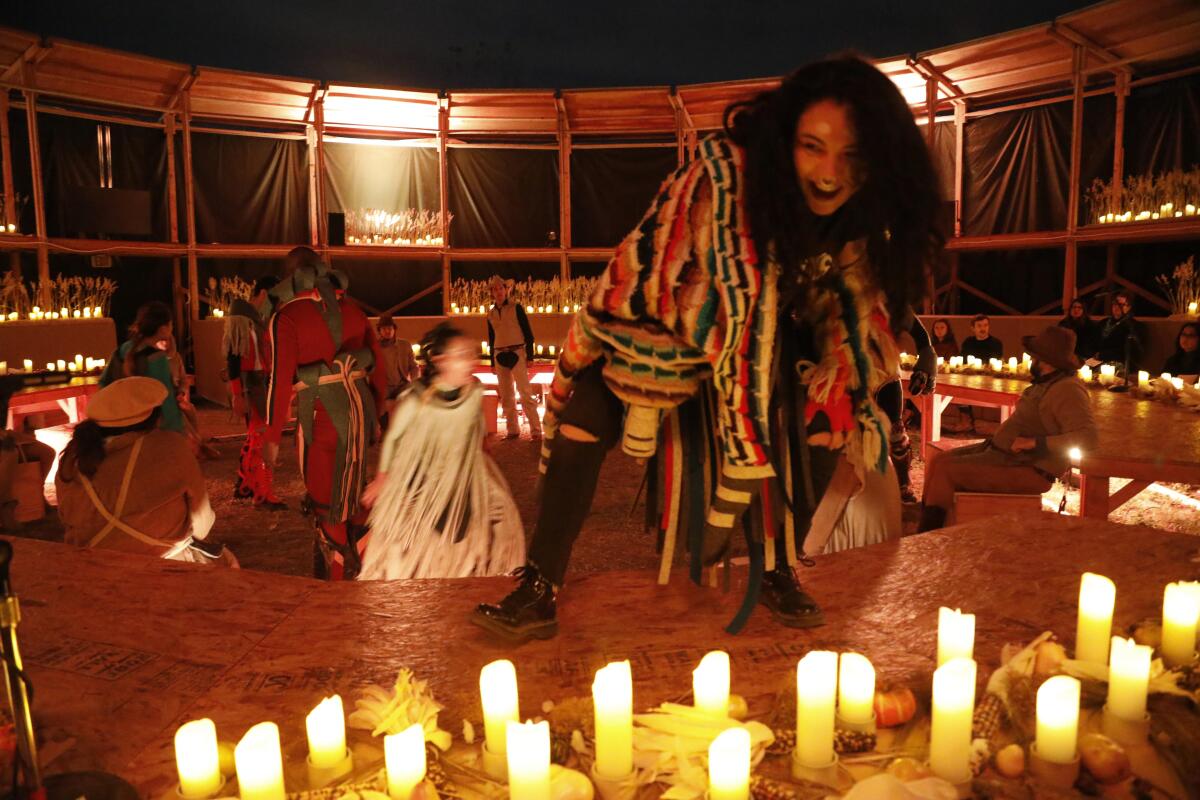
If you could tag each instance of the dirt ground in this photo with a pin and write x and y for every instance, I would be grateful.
(613, 536)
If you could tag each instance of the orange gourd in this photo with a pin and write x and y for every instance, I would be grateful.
(894, 707)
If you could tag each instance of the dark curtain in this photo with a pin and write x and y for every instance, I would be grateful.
(503, 198)
(1024, 279)
(1096, 162)
(942, 154)
(250, 189)
(1016, 169)
(382, 284)
(139, 280)
(140, 162)
(611, 190)
(1162, 127)
(18, 133)
(378, 176)
(1141, 264)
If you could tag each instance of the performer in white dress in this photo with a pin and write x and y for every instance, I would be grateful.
(440, 508)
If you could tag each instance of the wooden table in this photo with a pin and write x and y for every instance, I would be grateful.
(122, 649)
(1142, 440)
(71, 398)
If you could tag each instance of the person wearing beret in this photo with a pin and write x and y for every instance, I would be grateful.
(125, 483)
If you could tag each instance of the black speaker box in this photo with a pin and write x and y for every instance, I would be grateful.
(337, 229)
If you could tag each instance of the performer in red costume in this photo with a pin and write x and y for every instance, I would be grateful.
(326, 352)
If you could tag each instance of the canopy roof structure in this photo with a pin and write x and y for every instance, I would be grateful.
(1106, 48)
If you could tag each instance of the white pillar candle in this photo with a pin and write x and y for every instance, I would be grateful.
(1128, 679)
(1058, 719)
(612, 696)
(196, 759)
(856, 688)
(404, 759)
(1192, 308)
(498, 693)
(1012, 364)
(1181, 607)
(27, 365)
(956, 635)
(729, 765)
(3, 367)
(710, 684)
(260, 764)
(1143, 379)
(326, 727)
(61, 364)
(1097, 595)
(528, 760)
(1085, 373)
(950, 731)
(816, 688)
(1108, 374)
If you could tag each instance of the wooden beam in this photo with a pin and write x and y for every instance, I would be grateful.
(960, 120)
(10, 195)
(39, 195)
(444, 194)
(403, 304)
(173, 222)
(189, 198)
(925, 68)
(564, 187)
(1072, 38)
(311, 157)
(1071, 262)
(322, 209)
(1138, 290)
(1118, 174)
(931, 102)
(1125, 494)
(31, 53)
(982, 295)
(184, 87)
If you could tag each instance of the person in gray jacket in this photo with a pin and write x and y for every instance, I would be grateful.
(510, 343)
(1032, 447)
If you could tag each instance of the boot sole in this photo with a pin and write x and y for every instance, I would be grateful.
(789, 621)
(540, 630)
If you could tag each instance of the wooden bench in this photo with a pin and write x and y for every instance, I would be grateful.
(970, 506)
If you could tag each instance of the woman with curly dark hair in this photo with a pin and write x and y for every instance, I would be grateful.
(440, 508)
(145, 354)
(752, 314)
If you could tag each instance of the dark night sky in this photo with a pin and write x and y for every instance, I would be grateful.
(522, 43)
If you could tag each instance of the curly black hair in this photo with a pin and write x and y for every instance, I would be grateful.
(896, 207)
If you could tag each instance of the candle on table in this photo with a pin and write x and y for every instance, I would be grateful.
(612, 696)
(1012, 364)
(1128, 679)
(1181, 607)
(498, 693)
(27, 365)
(50, 366)
(1143, 379)
(1177, 383)
(540, 349)
(816, 687)
(62, 364)
(551, 349)
(1093, 629)
(404, 759)
(529, 760)
(953, 708)
(729, 765)
(856, 688)
(1165, 376)
(956, 635)
(710, 684)
(260, 764)
(416, 349)
(326, 726)
(1108, 374)
(1058, 719)
(1192, 308)
(1085, 373)
(196, 759)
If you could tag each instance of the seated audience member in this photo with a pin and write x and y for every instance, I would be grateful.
(1120, 335)
(1185, 360)
(1087, 339)
(18, 447)
(944, 343)
(144, 354)
(1031, 448)
(982, 344)
(114, 491)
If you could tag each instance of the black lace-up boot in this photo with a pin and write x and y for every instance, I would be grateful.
(787, 602)
(526, 613)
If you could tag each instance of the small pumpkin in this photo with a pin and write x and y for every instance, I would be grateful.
(894, 707)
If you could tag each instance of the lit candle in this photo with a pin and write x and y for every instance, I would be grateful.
(1128, 679)
(551, 349)
(483, 346)
(79, 359)
(404, 758)
(416, 348)
(1177, 383)
(1097, 595)
(260, 764)
(1076, 455)
(950, 732)
(612, 696)
(76, 314)
(996, 364)
(1012, 364)
(326, 725)
(63, 312)
(3, 367)
(528, 309)
(1085, 373)
(498, 693)
(856, 688)
(96, 312)
(27, 365)
(1192, 308)
(50, 366)
(956, 635)
(1108, 374)
(529, 760)
(1143, 379)
(540, 349)
(1181, 608)
(62, 364)
(729, 765)
(1058, 719)
(816, 688)
(196, 759)
(710, 684)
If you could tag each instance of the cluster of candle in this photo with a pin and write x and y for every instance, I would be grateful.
(36, 313)
(258, 758)
(1107, 376)
(400, 241)
(541, 350)
(78, 364)
(455, 308)
(996, 366)
(11, 227)
(1165, 211)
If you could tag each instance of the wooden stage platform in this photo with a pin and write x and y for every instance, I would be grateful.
(122, 649)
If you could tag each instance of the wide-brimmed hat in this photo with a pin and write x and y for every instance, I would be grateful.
(126, 402)
(1055, 346)
(496, 280)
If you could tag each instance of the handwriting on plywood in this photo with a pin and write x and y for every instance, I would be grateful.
(185, 676)
(96, 660)
(321, 678)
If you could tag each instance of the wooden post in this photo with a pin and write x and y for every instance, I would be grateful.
(322, 208)
(1118, 181)
(10, 196)
(1070, 268)
(564, 190)
(960, 121)
(444, 197)
(189, 197)
(39, 197)
(931, 98)
(310, 138)
(173, 221)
